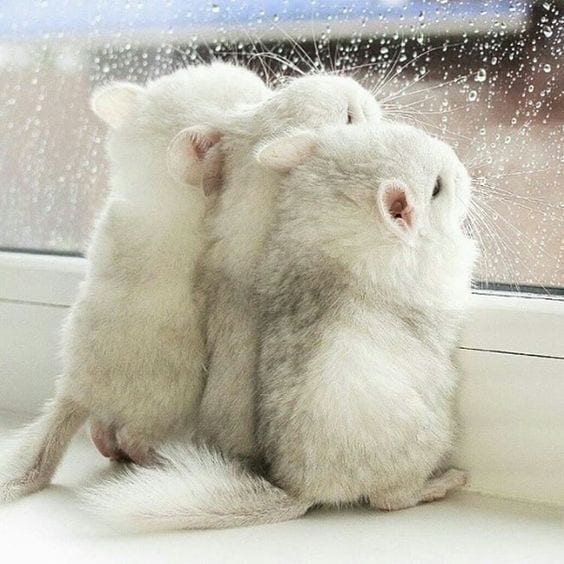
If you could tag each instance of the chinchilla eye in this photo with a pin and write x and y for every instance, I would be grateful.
(438, 187)
(349, 117)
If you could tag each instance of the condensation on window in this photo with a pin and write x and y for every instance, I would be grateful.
(485, 76)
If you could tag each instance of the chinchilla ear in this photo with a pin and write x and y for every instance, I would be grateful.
(193, 158)
(396, 207)
(115, 102)
(285, 153)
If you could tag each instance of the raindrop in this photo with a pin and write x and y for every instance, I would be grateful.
(500, 109)
(481, 75)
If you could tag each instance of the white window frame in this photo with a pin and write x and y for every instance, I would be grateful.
(511, 352)
(505, 322)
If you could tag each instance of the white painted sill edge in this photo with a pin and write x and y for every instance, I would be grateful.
(499, 322)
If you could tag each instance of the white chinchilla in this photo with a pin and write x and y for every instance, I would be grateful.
(238, 226)
(361, 288)
(133, 346)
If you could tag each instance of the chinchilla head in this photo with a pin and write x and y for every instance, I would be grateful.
(316, 101)
(159, 131)
(388, 199)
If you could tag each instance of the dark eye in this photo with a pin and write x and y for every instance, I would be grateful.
(438, 187)
(349, 117)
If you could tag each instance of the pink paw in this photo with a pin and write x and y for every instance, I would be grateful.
(119, 445)
(439, 487)
(104, 438)
(136, 450)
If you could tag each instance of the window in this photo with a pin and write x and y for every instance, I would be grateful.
(486, 76)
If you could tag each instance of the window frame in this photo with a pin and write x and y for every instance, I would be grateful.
(504, 322)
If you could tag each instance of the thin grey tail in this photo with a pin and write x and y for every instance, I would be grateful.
(30, 458)
(194, 488)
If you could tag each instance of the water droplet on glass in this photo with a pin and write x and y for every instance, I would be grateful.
(481, 75)
(547, 30)
(472, 96)
(215, 8)
(546, 68)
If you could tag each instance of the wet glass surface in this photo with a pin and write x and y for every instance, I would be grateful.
(485, 76)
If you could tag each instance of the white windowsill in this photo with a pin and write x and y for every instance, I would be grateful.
(51, 526)
(512, 443)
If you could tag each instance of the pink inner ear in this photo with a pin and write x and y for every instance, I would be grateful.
(398, 206)
(201, 142)
(198, 147)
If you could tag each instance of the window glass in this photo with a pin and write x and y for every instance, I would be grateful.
(486, 76)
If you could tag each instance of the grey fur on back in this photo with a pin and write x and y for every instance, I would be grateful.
(355, 381)
(239, 224)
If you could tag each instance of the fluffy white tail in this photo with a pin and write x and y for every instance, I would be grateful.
(194, 488)
(29, 459)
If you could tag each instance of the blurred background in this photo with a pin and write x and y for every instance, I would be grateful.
(485, 76)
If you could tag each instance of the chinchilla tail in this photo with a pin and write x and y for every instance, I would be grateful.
(29, 458)
(195, 487)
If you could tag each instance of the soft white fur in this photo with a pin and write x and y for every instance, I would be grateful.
(133, 345)
(239, 224)
(193, 487)
(367, 411)
(359, 316)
